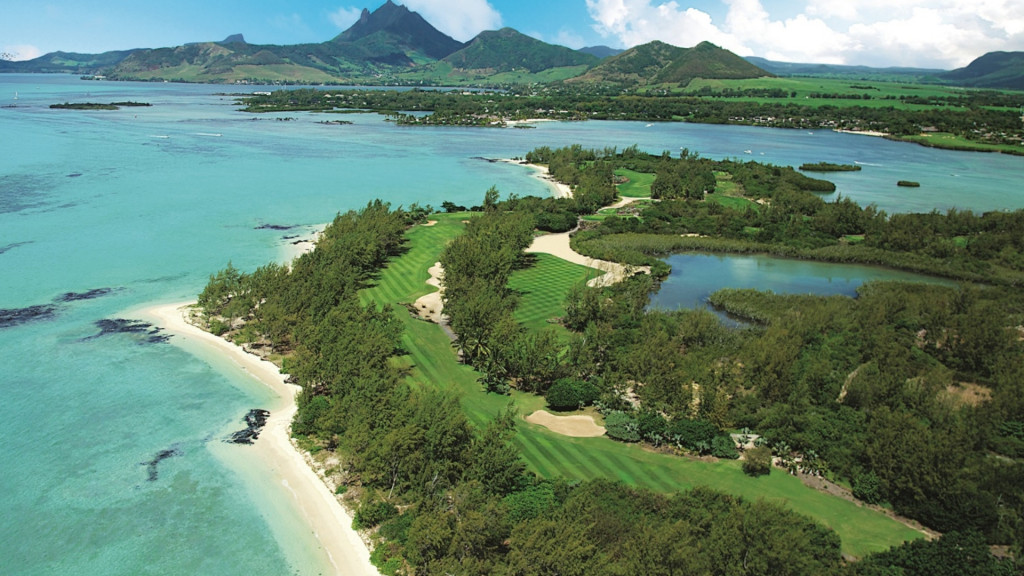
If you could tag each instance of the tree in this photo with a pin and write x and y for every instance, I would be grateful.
(758, 461)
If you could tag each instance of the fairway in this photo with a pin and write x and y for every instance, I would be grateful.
(432, 362)
(637, 185)
(542, 288)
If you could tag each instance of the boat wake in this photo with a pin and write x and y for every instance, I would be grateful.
(208, 134)
(865, 163)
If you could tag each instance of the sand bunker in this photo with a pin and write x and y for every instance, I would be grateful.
(430, 306)
(558, 245)
(577, 426)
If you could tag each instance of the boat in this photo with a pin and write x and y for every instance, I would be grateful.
(15, 94)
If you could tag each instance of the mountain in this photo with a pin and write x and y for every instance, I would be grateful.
(1003, 70)
(393, 28)
(506, 49)
(893, 74)
(705, 60)
(600, 51)
(661, 63)
(66, 62)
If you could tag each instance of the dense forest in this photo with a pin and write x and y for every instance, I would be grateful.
(909, 394)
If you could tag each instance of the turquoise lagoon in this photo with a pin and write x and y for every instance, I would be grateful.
(145, 203)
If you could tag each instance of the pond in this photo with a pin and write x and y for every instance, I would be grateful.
(696, 276)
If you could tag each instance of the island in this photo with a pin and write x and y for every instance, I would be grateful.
(829, 167)
(97, 106)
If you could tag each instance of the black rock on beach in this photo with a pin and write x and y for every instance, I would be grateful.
(255, 420)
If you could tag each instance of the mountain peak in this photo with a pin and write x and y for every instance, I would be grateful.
(233, 39)
(402, 28)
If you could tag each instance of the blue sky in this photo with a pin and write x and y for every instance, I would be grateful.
(923, 33)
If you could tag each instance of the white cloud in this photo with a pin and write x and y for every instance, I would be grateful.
(566, 37)
(634, 22)
(344, 18)
(461, 20)
(932, 33)
(21, 52)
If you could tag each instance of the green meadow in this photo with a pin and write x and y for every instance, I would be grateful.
(883, 94)
(637, 184)
(953, 142)
(431, 362)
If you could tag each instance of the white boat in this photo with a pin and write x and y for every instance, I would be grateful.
(15, 94)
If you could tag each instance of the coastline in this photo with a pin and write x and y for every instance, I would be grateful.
(863, 132)
(541, 173)
(278, 459)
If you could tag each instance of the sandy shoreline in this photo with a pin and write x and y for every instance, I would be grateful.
(541, 173)
(326, 518)
(863, 132)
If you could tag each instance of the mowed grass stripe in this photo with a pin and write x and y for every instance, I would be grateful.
(543, 287)
(535, 460)
(546, 447)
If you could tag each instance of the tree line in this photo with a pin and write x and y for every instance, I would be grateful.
(974, 118)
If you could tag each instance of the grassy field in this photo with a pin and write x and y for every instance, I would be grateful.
(638, 184)
(883, 94)
(952, 142)
(432, 363)
(542, 288)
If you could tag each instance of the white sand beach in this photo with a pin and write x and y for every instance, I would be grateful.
(326, 518)
(541, 173)
(875, 133)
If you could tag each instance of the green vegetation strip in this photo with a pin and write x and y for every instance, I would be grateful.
(638, 184)
(433, 363)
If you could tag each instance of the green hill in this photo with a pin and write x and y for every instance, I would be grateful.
(705, 60)
(393, 29)
(506, 50)
(660, 63)
(1004, 70)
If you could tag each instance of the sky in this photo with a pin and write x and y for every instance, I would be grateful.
(942, 34)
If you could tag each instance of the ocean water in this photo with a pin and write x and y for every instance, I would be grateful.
(112, 452)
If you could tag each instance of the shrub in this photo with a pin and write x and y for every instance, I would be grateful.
(371, 514)
(867, 487)
(692, 434)
(622, 426)
(218, 327)
(758, 461)
(568, 394)
(723, 447)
